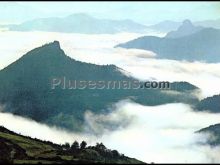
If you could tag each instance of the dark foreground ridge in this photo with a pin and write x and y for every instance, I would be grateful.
(18, 149)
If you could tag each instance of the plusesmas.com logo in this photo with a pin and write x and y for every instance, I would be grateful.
(64, 83)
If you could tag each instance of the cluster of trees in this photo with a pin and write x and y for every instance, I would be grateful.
(99, 147)
(75, 146)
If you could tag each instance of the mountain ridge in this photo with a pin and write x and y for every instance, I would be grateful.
(200, 46)
(26, 88)
(187, 28)
(79, 23)
(210, 104)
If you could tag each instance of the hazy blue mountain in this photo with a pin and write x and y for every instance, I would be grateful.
(209, 23)
(168, 26)
(185, 29)
(79, 23)
(213, 130)
(210, 104)
(26, 88)
(202, 45)
(165, 26)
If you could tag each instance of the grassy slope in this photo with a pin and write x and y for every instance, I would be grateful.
(20, 149)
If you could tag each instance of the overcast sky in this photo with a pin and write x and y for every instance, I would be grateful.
(143, 12)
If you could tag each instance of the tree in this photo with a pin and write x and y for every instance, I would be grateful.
(100, 146)
(115, 153)
(83, 145)
(66, 146)
(75, 145)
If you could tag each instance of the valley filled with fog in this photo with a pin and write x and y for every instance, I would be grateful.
(164, 133)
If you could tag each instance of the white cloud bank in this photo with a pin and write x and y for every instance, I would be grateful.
(152, 134)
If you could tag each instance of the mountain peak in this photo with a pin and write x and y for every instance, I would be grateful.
(50, 50)
(187, 22)
(51, 46)
(187, 28)
(54, 44)
(187, 25)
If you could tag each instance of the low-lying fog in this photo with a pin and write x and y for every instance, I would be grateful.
(153, 134)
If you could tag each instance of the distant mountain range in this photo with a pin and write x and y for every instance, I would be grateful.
(27, 150)
(87, 24)
(187, 28)
(79, 23)
(167, 26)
(189, 43)
(26, 88)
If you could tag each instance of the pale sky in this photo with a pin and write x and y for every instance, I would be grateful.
(143, 12)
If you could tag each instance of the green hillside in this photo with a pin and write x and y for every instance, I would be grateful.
(18, 149)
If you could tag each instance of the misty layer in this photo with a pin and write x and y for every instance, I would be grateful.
(143, 126)
(144, 133)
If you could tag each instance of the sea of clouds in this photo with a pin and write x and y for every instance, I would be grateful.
(153, 134)
(99, 49)
(160, 134)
